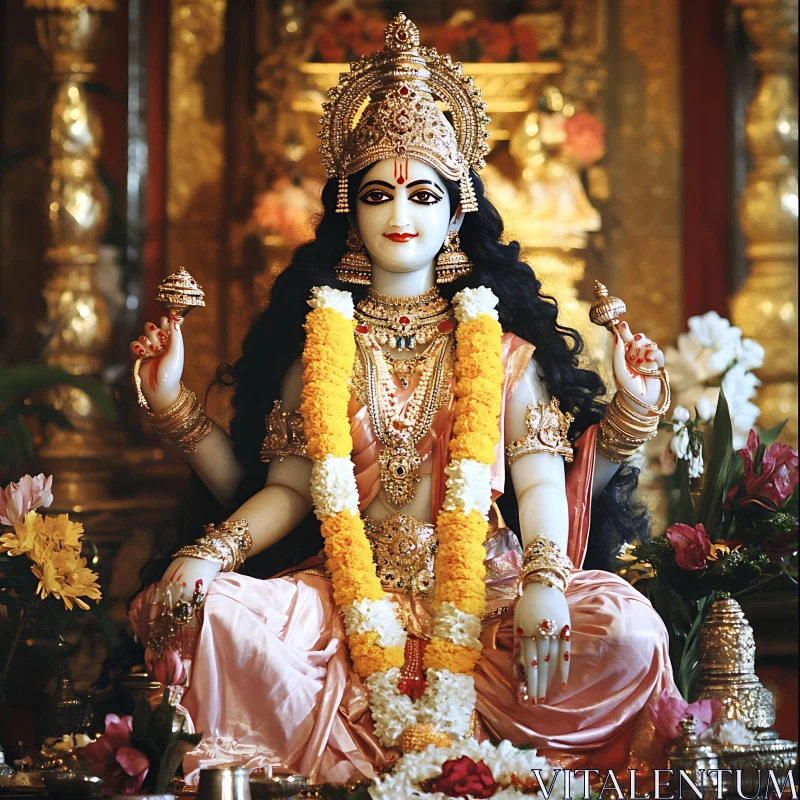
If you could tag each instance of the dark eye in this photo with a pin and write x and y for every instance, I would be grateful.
(425, 197)
(374, 197)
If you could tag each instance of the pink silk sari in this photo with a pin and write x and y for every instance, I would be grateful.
(272, 682)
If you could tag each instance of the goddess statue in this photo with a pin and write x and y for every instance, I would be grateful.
(427, 415)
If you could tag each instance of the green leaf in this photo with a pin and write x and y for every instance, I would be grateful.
(23, 436)
(22, 380)
(770, 436)
(711, 498)
(686, 511)
(170, 761)
(686, 675)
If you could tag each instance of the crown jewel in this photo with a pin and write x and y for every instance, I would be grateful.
(401, 85)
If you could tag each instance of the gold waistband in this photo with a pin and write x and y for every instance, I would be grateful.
(403, 549)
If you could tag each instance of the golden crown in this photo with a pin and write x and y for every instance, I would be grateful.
(401, 85)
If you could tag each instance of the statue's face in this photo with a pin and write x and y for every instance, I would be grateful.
(403, 214)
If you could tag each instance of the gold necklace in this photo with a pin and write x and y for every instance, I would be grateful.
(404, 322)
(400, 431)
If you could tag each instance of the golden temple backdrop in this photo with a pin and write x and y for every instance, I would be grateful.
(191, 141)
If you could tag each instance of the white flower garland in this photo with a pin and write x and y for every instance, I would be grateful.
(366, 615)
(469, 487)
(333, 487)
(506, 762)
(457, 626)
(449, 698)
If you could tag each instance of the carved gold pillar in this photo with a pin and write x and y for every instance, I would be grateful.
(766, 306)
(77, 207)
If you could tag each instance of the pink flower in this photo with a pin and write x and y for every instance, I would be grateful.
(773, 483)
(585, 138)
(123, 768)
(168, 669)
(691, 545)
(667, 713)
(17, 499)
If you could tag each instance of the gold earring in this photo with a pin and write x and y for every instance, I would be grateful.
(452, 262)
(355, 266)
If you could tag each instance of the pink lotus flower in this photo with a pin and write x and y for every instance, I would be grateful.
(691, 545)
(123, 768)
(667, 713)
(17, 499)
(168, 669)
(585, 138)
(776, 478)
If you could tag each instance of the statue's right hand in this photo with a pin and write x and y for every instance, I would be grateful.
(161, 349)
(184, 572)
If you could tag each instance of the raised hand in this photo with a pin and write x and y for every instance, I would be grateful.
(632, 353)
(542, 631)
(161, 349)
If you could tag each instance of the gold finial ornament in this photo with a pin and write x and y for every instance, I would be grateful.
(180, 293)
(606, 310)
(727, 668)
(401, 85)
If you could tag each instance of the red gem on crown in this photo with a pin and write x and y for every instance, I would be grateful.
(362, 329)
(445, 326)
(404, 320)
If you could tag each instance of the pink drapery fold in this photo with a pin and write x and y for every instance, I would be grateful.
(580, 475)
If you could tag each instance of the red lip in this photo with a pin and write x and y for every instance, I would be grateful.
(400, 237)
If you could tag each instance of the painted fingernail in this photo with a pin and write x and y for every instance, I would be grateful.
(638, 336)
(151, 327)
(541, 699)
(139, 349)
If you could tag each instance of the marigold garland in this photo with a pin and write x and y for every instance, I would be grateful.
(328, 358)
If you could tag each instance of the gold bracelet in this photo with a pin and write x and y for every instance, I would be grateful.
(227, 544)
(543, 561)
(623, 431)
(659, 411)
(184, 423)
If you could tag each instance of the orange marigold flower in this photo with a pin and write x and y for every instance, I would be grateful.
(441, 654)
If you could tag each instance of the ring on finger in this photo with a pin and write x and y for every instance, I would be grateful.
(547, 628)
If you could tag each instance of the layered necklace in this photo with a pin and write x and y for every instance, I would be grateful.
(375, 636)
(403, 323)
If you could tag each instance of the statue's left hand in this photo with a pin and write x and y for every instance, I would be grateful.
(542, 629)
(637, 351)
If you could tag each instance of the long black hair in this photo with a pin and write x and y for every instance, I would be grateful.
(276, 340)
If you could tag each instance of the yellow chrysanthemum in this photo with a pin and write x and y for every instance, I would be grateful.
(64, 574)
(23, 538)
(62, 529)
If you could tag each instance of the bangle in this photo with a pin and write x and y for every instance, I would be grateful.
(543, 561)
(227, 544)
(184, 423)
(623, 431)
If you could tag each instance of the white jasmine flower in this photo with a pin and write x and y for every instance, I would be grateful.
(333, 487)
(696, 462)
(679, 446)
(448, 701)
(469, 304)
(365, 615)
(457, 626)
(328, 297)
(469, 487)
(706, 405)
(680, 416)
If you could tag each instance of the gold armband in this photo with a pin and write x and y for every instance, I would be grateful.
(543, 561)
(227, 544)
(285, 434)
(623, 431)
(184, 423)
(548, 427)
